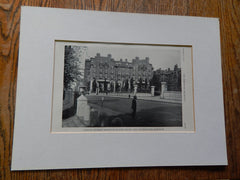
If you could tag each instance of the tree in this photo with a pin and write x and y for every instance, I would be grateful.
(73, 55)
(105, 85)
(71, 67)
(88, 85)
(94, 85)
(126, 84)
(117, 86)
(131, 83)
(140, 84)
(112, 86)
(155, 81)
(146, 83)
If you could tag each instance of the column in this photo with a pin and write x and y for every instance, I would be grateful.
(135, 90)
(152, 90)
(114, 86)
(97, 88)
(121, 84)
(91, 86)
(163, 89)
(129, 85)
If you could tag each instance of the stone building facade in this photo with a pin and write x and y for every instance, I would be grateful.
(172, 77)
(106, 73)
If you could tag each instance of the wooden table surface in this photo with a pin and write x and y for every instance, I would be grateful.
(229, 13)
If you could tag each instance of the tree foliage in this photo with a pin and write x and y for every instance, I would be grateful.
(117, 86)
(131, 83)
(140, 84)
(71, 67)
(105, 85)
(146, 84)
(126, 85)
(94, 85)
(155, 81)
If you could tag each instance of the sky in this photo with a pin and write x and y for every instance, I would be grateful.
(159, 56)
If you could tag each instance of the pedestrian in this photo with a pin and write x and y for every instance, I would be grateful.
(134, 107)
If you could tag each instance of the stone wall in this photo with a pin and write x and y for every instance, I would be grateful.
(68, 100)
(173, 95)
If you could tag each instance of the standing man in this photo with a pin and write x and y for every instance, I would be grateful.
(134, 107)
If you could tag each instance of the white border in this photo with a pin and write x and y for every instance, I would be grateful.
(36, 148)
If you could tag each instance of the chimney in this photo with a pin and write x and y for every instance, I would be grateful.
(147, 59)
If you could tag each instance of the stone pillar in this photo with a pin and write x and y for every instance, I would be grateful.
(135, 90)
(97, 88)
(121, 84)
(163, 89)
(152, 90)
(114, 86)
(91, 86)
(129, 85)
(83, 110)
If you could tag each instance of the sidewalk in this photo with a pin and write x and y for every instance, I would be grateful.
(157, 98)
(73, 121)
(140, 96)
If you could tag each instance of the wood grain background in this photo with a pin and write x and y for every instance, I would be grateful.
(229, 13)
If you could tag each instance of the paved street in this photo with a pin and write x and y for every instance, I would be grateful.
(116, 111)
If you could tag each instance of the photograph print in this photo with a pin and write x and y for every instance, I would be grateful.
(121, 85)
